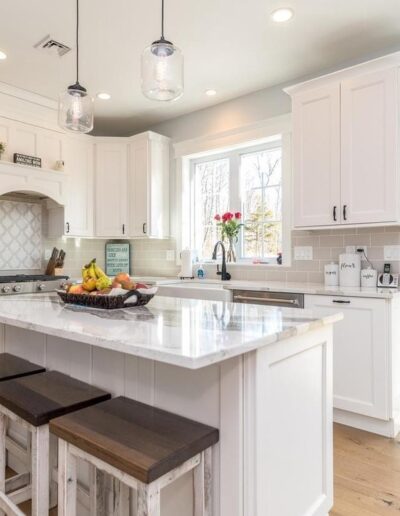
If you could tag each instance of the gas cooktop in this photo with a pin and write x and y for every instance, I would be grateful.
(30, 283)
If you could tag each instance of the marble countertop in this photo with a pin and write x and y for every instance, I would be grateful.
(281, 286)
(185, 332)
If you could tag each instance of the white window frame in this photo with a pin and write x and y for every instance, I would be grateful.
(243, 137)
(234, 157)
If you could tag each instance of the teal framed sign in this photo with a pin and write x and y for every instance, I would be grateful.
(118, 258)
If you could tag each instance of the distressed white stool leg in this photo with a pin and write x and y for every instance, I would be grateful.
(53, 468)
(203, 485)
(3, 431)
(66, 481)
(148, 500)
(40, 470)
(97, 492)
(121, 499)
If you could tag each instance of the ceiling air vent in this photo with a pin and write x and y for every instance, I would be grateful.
(51, 46)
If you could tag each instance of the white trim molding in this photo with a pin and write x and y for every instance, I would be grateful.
(234, 138)
(245, 136)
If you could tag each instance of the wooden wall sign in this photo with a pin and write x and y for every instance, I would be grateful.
(24, 159)
(118, 258)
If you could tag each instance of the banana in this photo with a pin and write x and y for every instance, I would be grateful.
(103, 282)
(99, 271)
(85, 273)
(92, 270)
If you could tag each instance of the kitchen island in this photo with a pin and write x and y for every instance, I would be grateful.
(262, 375)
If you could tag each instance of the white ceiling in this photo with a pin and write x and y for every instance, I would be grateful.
(229, 45)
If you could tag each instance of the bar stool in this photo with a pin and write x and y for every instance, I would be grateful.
(143, 447)
(12, 367)
(32, 401)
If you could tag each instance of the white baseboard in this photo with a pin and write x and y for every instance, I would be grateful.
(377, 426)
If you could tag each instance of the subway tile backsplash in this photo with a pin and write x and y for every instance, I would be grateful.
(149, 256)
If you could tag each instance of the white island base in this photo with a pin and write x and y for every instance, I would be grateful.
(273, 407)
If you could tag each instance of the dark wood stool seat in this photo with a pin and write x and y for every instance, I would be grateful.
(16, 367)
(142, 441)
(40, 397)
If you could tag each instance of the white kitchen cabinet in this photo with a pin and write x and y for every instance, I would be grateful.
(369, 145)
(79, 208)
(111, 188)
(361, 347)
(316, 144)
(345, 147)
(149, 186)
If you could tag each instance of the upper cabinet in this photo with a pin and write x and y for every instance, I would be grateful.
(369, 117)
(79, 208)
(111, 188)
(132, 186)
(149, 186)
(345, 145)
(316, 145)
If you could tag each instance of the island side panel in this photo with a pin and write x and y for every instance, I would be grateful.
(212, 395)
(292, 426)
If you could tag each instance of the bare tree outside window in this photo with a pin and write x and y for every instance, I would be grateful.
(249, 181)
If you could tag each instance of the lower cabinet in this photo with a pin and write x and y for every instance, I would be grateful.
(361, 354)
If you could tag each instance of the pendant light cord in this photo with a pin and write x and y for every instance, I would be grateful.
(77, 41)
(162, 19)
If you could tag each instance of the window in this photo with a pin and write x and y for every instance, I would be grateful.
(248, 180)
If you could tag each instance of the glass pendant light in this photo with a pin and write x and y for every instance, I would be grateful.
(162, 68)
(75, 107)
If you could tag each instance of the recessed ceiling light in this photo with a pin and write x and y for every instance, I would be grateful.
(3, 55)
(104, 96)
(282, 14)
(211, 93)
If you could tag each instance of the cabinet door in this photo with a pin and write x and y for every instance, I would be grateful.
(49, 147)
(316, 157)
(111, 189)
(360, 354)
(368, 129)
(139, 179)
(79, 210)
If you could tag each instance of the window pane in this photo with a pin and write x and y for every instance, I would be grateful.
(261, 194)
(273, 206)
(211, 196)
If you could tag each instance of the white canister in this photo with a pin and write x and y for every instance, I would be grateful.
(369, 277)
(332, 274)
(349, 270)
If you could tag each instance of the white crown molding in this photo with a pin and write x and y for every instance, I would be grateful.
(374, 65)
(242, 135)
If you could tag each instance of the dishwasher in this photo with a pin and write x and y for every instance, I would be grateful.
(260, 297)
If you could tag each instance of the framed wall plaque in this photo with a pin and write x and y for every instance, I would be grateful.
(24, 159)
(118, 258)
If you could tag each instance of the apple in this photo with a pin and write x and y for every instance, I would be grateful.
(128, 285)
(122, 276)
(76, 289)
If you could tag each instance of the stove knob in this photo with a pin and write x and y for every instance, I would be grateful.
(17, 288)
(6, 290)
(41, 287)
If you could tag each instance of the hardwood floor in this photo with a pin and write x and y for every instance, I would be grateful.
(367, 473)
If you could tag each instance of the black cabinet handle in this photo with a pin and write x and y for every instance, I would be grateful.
(341, 301)
(144, 227)
(67, 224)
(345, 212)
(334, 213)
(123, 229)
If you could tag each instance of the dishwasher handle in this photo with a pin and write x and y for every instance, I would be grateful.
(270, 300)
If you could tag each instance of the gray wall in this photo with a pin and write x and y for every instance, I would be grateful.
(238, 112)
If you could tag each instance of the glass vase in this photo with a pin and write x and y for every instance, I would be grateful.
(231, 251)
